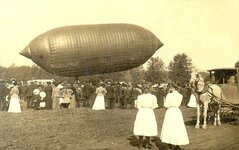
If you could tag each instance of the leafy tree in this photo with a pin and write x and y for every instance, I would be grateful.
(237, 64)
(134, 75)
(25, 73)
(180, 69)
(35, 72)
(3, 72)
(156, 71)
(137, 74)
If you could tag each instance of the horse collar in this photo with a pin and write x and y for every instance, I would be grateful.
(205, 90)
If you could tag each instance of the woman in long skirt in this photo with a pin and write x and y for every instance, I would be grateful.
(173, 130)
(145, 124)
(66, 94)
(99, 103)
(14, 105)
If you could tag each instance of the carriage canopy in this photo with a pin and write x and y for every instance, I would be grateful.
(228, 80)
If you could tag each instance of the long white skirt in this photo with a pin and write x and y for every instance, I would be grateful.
(192, 101)
(99, 103)
(145, 123)
(173, 129)
(14, 105)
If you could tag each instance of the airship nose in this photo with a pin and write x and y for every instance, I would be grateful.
(26, 52)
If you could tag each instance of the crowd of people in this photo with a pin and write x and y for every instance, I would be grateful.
(57, 95)
(106, 95)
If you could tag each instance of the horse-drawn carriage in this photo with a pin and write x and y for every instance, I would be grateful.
(221, 94)
(228, 80)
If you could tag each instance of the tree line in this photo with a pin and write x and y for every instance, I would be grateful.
(155, 71)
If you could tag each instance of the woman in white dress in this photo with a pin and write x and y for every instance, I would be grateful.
(99, 103)
(173, 130)
(14, 105)
(192, 101)
(145, 124)
(73, 97)
(66, 94)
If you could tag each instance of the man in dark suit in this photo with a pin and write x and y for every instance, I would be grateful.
(86, 93)
(48, 91)
(110, 95)
(121, 94)
(4, 91)
(29, 94)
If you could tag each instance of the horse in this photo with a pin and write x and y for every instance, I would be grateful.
(208, 95)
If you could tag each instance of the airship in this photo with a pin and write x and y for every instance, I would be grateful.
(82, 50)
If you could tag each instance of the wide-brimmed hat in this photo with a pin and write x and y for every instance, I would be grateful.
(36, 91)
(101, 83)
(124, 84)
(154, 85)
(42, 94)
(60, 86)
(139, 85)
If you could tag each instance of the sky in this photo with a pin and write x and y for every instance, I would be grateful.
(205, 30)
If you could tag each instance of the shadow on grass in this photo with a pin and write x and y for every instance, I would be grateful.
(224, 120)
(101, 149)
(134, 141)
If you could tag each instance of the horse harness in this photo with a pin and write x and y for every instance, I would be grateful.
(213, 105)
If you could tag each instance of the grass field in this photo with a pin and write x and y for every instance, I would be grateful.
(86, 129)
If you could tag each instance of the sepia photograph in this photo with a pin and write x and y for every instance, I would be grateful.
(119, 75)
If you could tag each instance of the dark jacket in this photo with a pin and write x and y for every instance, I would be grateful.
(29, 90)
(87, 90)
(4, 91)
(110, 92)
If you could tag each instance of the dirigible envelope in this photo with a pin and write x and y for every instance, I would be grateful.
(92, 49)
